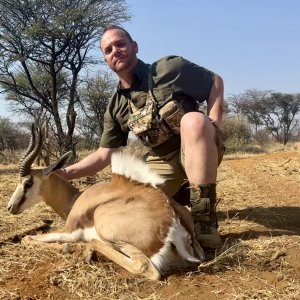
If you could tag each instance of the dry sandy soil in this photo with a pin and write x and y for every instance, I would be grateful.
(259, 214)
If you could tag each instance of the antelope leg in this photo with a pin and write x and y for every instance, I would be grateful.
(133, 260)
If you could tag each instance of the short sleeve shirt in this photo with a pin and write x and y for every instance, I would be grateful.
(172, 77)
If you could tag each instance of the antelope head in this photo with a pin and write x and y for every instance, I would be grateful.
(30, 189)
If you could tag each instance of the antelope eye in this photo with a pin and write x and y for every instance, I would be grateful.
(28, 184)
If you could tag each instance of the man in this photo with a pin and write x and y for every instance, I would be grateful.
(191, 151)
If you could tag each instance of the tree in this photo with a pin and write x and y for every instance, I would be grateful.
(94, 94)
(249, 104)
(44, 48)
(12, 137)
(279, 115)
(275, 112)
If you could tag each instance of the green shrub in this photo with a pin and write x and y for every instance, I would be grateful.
(237, 134)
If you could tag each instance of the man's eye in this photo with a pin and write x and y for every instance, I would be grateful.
(107, 51)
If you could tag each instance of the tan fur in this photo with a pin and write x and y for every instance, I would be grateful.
(127, 203)
(64, 197)
(125, 220)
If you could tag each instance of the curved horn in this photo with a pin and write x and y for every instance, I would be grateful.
(32, 151)
(31, 143)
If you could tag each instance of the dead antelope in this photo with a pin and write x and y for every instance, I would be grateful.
(129, 220)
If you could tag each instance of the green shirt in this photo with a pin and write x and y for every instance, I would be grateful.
(172, 76)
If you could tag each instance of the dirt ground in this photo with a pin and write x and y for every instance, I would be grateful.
(259, 213)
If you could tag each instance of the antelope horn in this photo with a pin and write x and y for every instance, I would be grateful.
(32, 152)
(31, 143)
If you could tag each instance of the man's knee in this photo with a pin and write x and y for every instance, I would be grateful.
(196, 125)
(192, 120)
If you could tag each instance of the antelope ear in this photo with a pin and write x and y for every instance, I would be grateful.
(57, 165)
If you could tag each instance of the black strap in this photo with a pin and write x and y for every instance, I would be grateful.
(150, 78)
(150, 87)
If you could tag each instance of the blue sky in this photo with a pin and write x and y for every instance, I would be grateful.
(250, 43)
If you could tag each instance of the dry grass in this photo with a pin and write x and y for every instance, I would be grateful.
(250, 260)
(259, 221)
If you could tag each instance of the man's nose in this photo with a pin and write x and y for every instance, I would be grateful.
(116, 50)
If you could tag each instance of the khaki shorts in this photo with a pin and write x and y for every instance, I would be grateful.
(171, 165)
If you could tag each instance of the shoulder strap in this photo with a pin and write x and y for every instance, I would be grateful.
(150, 78)
(151, 85)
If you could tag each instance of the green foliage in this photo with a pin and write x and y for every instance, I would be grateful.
(12, 136)
(279, 115)
(275, 113)
(237, 134)
(94, 96)
(45, 46)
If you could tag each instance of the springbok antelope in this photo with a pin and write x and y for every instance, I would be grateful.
(129, 220)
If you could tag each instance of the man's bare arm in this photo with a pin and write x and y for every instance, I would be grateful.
(91, 164)
(215, 103)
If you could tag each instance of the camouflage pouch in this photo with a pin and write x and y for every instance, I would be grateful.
(140, 120)
(155, 124)
(147, 124)
(172, 112)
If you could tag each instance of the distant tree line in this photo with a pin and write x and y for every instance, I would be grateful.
(252, 117)
(12, 136)
(262, 116)
(46, 75)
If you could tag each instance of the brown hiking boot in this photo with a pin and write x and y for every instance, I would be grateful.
(203, 200)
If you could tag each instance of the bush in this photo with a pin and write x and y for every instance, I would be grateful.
(8, 157)
(237, 134)
(262, 137)
(12, 136)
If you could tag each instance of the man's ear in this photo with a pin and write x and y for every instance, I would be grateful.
(135, 47)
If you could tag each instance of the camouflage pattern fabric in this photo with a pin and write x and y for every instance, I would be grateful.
(172, 112)
(154, 125)
(140, 120)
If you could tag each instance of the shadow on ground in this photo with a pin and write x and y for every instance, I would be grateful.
(277, 220)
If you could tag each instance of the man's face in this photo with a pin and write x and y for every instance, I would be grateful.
(119, 53)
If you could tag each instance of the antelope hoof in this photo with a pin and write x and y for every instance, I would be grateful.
(66, 249)
(87, 255)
